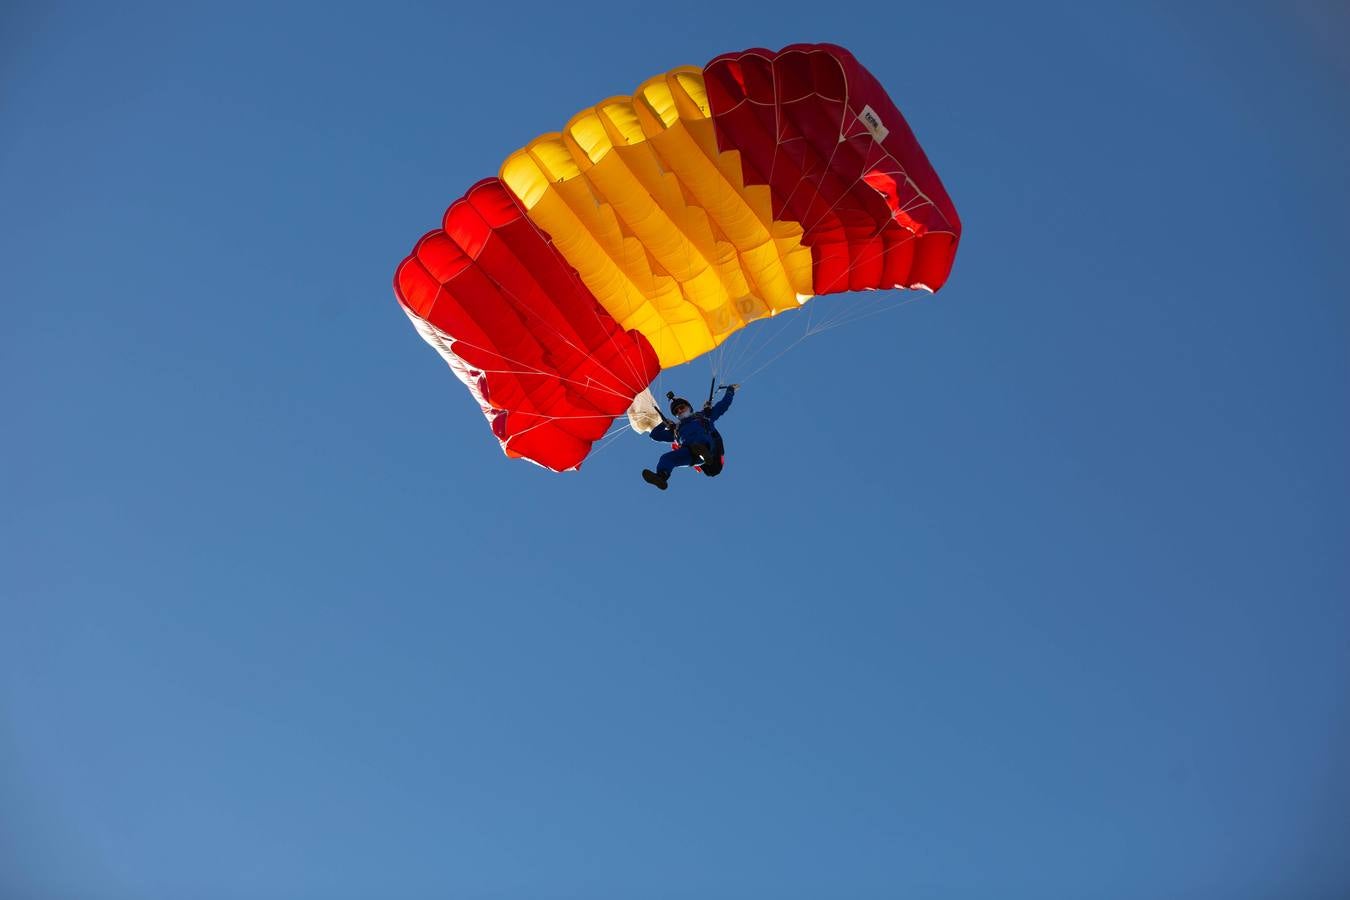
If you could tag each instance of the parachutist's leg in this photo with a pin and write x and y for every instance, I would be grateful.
(673, 460)
(667, 464)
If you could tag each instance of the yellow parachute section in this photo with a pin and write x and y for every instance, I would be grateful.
(658, 222)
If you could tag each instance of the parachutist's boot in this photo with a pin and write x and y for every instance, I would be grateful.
(657, 478)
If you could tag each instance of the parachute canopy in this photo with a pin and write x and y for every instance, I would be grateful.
(656, 225)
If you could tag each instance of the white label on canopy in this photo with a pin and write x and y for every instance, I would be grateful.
(872, 122)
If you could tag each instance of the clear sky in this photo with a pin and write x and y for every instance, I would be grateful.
(1037, 588)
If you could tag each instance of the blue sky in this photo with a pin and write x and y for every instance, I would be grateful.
(1036, 588)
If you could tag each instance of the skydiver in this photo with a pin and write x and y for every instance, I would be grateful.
(697, 440)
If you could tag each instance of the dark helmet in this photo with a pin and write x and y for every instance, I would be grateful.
(676, 403)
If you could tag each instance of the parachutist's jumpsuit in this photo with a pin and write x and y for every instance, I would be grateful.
(694, 431)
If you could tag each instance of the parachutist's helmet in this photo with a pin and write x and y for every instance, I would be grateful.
(678, 402)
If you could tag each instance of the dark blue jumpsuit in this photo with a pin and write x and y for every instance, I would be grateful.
(696, 428)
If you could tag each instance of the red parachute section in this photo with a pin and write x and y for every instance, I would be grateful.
(549, 367)
(816, 127)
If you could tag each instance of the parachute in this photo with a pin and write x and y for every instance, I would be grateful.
(655, 226)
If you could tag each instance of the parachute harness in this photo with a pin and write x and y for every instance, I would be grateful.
(708, 456)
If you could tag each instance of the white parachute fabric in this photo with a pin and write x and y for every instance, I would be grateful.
(643, 415)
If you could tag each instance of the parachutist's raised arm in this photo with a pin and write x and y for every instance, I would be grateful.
(663, 433)
(722, 405)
